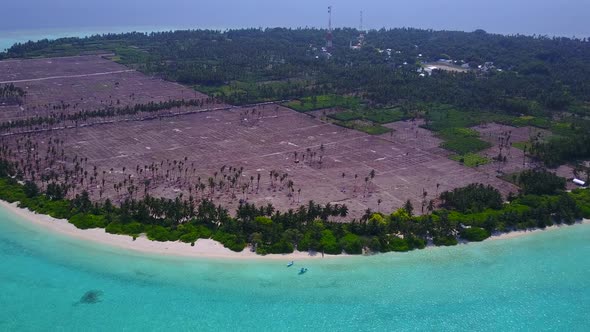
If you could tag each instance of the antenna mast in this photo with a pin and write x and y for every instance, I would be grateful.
(361, 39)
(329, 36)
(361, 26)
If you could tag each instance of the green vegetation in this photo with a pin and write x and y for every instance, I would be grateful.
(368, 120)
(521, 145)
(539, 73)
(542, 79)
(380, 116)
(240, 93)
(364, 126)
(540, 182)
(471, 213)
(475, 234)
(462, 140)
(530, 121)
(473, 198)
(470, 159)
(582, 198)
(387, 115)
(86, 221)
(312, 103)
(346, 116)
(573, 146)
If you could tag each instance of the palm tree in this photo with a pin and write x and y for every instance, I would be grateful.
(430, 206)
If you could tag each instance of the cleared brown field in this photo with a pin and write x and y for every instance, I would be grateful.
(516, 161)
(220, 154)
(82, 83)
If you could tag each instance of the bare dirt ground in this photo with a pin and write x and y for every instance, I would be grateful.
(516, 161)
(81, 84)
(220, 154)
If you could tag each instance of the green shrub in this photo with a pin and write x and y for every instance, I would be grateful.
(445, 241)
(470, 159)
(351, 244)
(133, 228)
(329, 244)
(475, 234)
(114, 228)
(230, 241)
(416, 242)
(159, 233)
(86, 221)
(375, 245)
(281, 247)
(540, 182)
(308, 242)
(189, 237)
(398, 244)
(262, 250)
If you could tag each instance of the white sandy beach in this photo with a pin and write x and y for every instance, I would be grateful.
(205, 248)
(515, 234)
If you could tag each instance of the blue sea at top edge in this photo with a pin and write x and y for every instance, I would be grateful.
(11, 37)
(539, 282)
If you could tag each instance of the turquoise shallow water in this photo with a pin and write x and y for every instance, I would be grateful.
(538, 282)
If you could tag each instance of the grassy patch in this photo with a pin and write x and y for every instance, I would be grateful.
(346, 116)
(364, 126)
(444, 116)
(324, 101)
(561, 128)
(387, 115)
(464, 145)
(521, 145)
(381, 116)
(462, 140)
(240, 93)
(471, 159)
(530, 121)
(450, 133)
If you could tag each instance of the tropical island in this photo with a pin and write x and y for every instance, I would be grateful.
(387, 140)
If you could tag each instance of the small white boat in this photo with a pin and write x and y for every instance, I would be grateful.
(290, 264)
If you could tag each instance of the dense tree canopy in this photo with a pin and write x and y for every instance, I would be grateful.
(552, 72)
(474, 198)
(540, 182)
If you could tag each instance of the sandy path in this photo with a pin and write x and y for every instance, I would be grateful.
(67, 76)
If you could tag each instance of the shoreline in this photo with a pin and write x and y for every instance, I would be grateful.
(525, 232)
(203, 248)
